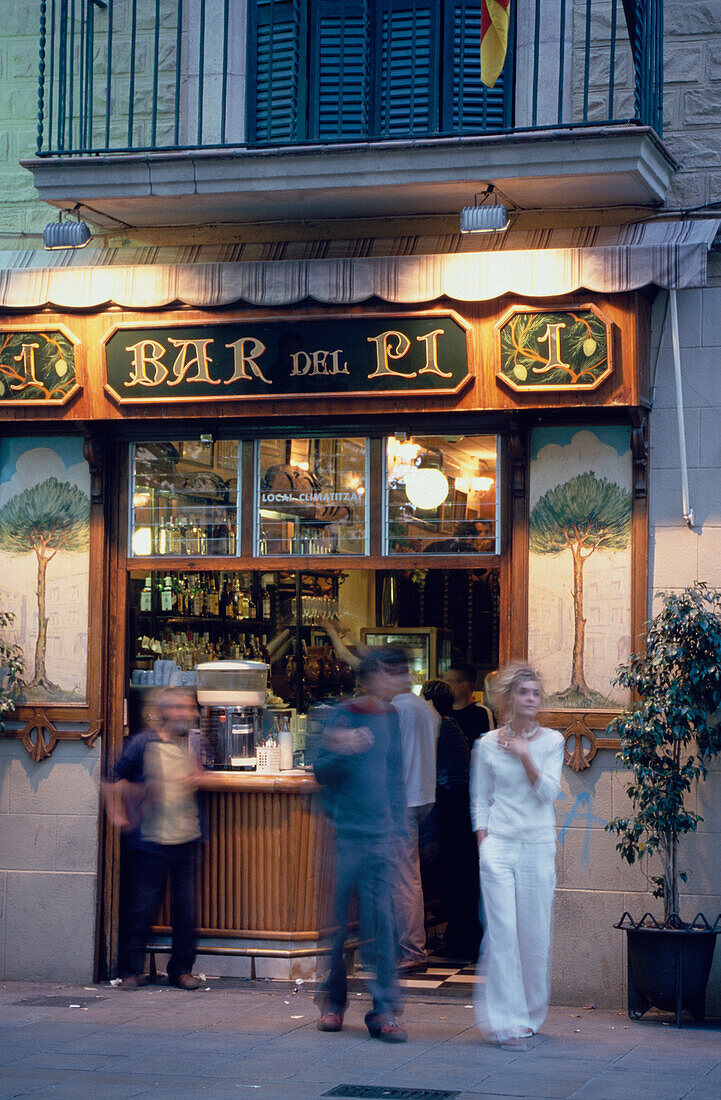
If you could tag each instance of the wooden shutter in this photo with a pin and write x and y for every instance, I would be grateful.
(276, 70)
(407, 67)
(340, 68)
(469, 106)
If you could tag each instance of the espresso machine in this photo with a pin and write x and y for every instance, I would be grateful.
(231, 695)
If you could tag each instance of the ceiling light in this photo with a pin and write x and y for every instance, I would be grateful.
(426, 488)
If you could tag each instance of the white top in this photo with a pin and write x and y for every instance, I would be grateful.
(419, 724)
(502, 798)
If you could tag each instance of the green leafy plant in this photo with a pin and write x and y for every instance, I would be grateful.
(12, 666)
(671, 732)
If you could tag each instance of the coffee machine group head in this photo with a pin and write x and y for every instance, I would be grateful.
(231, 695)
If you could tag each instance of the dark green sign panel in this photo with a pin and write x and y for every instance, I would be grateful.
(541, 349)
(331, 355)
(37, 367)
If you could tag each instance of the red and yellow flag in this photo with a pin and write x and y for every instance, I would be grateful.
(494, 38)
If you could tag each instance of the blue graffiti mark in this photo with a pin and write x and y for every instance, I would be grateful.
(582, 807)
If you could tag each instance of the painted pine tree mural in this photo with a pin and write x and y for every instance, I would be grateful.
(582, 516)
(45, 519)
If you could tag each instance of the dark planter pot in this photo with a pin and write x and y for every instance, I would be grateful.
(668, 968)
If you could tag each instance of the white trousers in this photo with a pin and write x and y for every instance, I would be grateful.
(517, 882)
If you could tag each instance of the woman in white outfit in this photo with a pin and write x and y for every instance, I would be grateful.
(515, 779)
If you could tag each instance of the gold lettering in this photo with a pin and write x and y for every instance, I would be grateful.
(245, 353)
(147, 353)
(27, 355)
(384, 352)
(320, 359)
(431, 364)
(201, 360)
(298, 366)
(554, 349)
(337, 368)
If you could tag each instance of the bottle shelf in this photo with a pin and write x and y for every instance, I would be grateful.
(200, 620)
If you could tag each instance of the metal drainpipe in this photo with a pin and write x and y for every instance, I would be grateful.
(685, 502)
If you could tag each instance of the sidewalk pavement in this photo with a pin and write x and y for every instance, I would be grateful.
(260, 1040)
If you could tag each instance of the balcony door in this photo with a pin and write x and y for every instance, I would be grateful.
(330, 70)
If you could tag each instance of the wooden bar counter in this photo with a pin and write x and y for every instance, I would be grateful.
(265, 874)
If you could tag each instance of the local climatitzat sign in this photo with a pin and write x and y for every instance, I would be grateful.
(344, 355)
(37, 366)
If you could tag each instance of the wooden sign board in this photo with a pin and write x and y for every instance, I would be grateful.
(288, 356)
(539, 349)
(37, 365)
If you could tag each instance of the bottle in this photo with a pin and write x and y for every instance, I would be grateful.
(266, 604)
(146, 596)
(174, 539)
(285, 744)
(167, 596)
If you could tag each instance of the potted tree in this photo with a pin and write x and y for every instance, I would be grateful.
(12, 664)
(668, 735)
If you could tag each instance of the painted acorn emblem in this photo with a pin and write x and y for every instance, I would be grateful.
(61, 368)
(520, 372)
(589, 346)
(2, 388)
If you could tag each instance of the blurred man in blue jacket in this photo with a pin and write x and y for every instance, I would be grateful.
(359, 765)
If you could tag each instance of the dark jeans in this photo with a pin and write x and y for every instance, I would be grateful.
(150, 875)
(458, 860)
(365, 865)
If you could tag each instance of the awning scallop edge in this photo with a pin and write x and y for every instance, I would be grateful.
(666, 254)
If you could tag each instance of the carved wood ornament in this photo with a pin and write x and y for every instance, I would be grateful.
(40, 735)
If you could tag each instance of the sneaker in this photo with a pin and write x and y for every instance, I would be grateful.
(185, 981)
(134, 981)
(515, 1043)
(385, 1028)
(330, 1020)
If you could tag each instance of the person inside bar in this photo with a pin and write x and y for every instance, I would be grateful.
(157, 775)
(474, 719)
(360, 769)
(458, 880)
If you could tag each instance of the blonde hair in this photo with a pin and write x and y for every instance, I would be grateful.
(505, 684)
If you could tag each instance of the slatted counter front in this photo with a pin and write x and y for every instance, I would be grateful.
(266, 868)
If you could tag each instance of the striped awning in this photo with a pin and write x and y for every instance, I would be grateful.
(620, 258)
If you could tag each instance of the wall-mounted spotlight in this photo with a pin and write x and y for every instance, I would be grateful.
(66, 233)
(487, 215)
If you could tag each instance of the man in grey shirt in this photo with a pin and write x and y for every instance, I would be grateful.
(419, 725)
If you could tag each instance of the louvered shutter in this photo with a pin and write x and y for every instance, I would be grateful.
(277, 77)
(340, 69)
(407, 65)
(470, 106)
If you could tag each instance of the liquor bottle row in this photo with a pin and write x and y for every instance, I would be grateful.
(203, 594)
(190, 535)
(189, 648)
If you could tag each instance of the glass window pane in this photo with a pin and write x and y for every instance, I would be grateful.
(184, 498)
(311, 497)
(442, 494)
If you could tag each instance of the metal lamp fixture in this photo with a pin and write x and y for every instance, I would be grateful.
(486, 216)
(66, 234)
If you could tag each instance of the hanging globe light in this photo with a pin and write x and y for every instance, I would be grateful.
(426, 488)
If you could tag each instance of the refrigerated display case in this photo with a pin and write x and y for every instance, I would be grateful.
(428, 649)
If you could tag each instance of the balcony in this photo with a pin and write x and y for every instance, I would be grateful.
(187, 112)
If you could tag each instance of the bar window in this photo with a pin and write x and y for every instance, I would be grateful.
(311, 497)
(442, 494)
(184, 499)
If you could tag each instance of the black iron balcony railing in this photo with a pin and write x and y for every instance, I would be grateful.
(122, 76)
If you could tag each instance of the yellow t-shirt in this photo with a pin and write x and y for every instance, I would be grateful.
(170, 811)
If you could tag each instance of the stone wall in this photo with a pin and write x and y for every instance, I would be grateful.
(692, 99)
(21, 211)
(48, 862)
